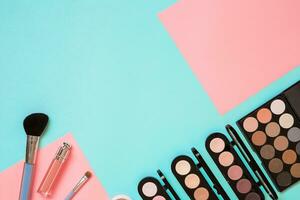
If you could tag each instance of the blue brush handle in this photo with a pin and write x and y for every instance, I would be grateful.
(70, 196)
(26, 182)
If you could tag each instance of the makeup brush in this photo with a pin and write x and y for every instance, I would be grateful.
(34, 125)
(79, 185)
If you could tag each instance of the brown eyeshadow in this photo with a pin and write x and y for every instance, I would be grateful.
(267, 152)
(275, 165)
(295, 170)
(289, 156)
(272, 129)
(264, 115)
(259, 138)
(243, 186)
(281, 143)
(284, 179)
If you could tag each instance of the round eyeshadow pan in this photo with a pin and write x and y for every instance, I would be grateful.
(250, 124)
(295, 170)
(183, 167)
(281, 143)
(264, 115)
(252, 196)
(275, 165)
(277, 107)
(159, 198)
(286, 120)
(201, 194)
(226, 158)
(267, 152)
(192, 181)
(243, 186)
(289, 156)
(149, 189)
(259, 138)
(235, 172)
(294, 134)
(272, 129)
(284, 179)
(298, 148)
(217, 145)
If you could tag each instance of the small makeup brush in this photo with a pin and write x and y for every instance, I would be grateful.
(34, 126)
(79, 185)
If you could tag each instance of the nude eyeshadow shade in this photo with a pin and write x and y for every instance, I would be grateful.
(191, 179)
(276, 135)
(233, 168)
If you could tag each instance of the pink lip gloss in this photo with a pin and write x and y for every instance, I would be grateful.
(53, 170)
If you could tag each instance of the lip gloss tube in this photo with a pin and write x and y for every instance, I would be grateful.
(54, 169)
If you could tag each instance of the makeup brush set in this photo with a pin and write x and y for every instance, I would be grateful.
(272, 131)
(34, 125)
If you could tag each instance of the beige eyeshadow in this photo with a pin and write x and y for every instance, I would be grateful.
(259, 138)
(192, 181)
(201, 194)
(275, 165)
(250, 124)
(295, 170)
(183, 167)
(272, 129)
(277, 106)
(289, 156)
(286, 120)
(267, 151)
(281, 143)
(217, 145)
(226, 158)
(264, 115)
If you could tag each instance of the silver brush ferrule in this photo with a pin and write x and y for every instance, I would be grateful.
(82, 181)
(31, 148)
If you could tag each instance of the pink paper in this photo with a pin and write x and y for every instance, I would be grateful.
(236, 48)
(74, 169)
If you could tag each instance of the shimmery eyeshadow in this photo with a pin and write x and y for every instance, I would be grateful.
(272, 129)
(159, 198)
(267, 152)
(259, 138)
(201, 194)
(277, 107)
(235, 172)
(226, 158)
(286, 120)
(298, 148)
(250, 124)
(294, 134)
(264, 115)
(192, 181)
(289, 156)
(243, 186)
(252, 196)
(149, 189)
(217, 145)
(295, 170)
(275, 165)
(281, 143)
(183, 167)
(284, 179)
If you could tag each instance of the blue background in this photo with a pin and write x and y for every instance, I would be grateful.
(107, 71)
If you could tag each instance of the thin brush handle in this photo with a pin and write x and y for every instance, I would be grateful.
(70, 195)
(26, 182)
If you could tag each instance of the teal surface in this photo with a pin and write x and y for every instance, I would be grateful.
(108, 72)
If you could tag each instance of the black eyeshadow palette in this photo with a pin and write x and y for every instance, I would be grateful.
(273, 131)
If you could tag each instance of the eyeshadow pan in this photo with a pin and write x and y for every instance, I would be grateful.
(278, 107)
(226, 158)
(289, 156)
(217, 145)
(159, 198)
(235, 172)
(286, 120)
(281, 143)
(250, 124)
(183, 167)
(252, 196)
(264, 115)
(295, 170)
(259, 138)
(275, 165)
(243, 186)
(149, 189)
(201, 193)
(192, 181)
(272, 129)
(284, 179)
(294, 134)
(267, 152)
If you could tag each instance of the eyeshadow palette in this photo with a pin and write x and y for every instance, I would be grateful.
(190, 178)
(232, 167)
(273, 130)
